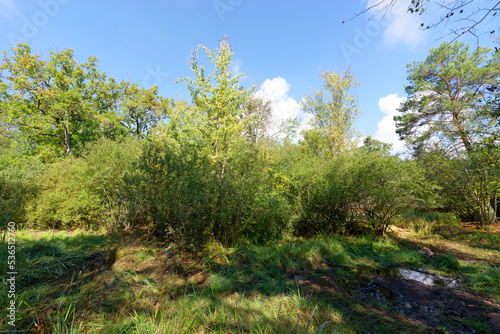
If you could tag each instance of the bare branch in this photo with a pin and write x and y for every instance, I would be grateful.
(476, 19)
(473, 27)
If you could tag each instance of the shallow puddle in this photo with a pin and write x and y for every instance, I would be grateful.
(429, 279)
(379, 292)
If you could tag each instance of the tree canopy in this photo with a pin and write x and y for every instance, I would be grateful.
(219, 98)
(450, 119)
(59, 104)
(143, 109)
(334, 110)
(448, 97)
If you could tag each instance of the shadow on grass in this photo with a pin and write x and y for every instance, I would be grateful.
(306, 271)
(474, 237)
(478, 274)
(51, 269)
(127, 283)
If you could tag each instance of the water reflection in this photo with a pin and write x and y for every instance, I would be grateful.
(429, 279)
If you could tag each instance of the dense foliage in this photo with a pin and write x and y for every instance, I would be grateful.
(452, 112)
(358, 189)
(58, 104)
(87, 191)
(80, 150)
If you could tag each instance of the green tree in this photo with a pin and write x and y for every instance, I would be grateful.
(447, 95)
(334, 111)
(186, 125)
(219, 98)
(59, 104)
(451, 111)
(373, 145)
(234, 194)
(143, 109)
(258, 118)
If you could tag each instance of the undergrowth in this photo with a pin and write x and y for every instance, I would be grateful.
(80, 282)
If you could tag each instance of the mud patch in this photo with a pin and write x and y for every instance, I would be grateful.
(442, 307)
(379, 292)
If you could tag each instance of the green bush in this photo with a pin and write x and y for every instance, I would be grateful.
(178, 191)
(251, 200)
(357, 188)
(326, 194)
(469, 184)
(172, 190)
(88, 191)
(63, 201)
(107, 162)
(17, 186)
(386, 185)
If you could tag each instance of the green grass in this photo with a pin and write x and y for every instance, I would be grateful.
(489, 240)
(485, 278)
(83, 282)
(440, 218)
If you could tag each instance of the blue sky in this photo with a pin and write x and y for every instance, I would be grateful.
(282, 46)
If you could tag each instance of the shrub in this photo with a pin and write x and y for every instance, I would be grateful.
(85, 191)
(107, 162)
(172, 189)
(252, 202)
(17, 187)
(358, 187)
(178, 192)
(326, 195)
(387, 185)
(469, 184)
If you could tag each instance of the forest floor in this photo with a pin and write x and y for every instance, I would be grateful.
(446, 280)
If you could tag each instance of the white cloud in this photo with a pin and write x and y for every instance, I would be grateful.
(274, 90)
(386, 128)
(7, 9)
(283, 106)
(306, 123)
(401, 26)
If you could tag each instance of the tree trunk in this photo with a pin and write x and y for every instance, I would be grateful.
(462, 133)
(67, 139)
(495, 204)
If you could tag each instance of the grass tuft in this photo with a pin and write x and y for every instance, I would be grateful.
(80, 282)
